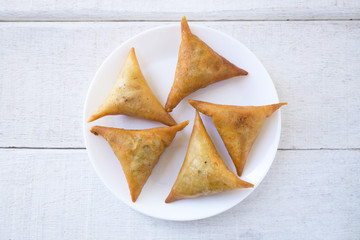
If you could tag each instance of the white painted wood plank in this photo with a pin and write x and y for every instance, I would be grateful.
(55, 194)
(174, 10)
(46, 68)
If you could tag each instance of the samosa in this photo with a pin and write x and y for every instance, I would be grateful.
(138, 150)
(132, 96)
(238, 126)
(198, 66)
(203, 171)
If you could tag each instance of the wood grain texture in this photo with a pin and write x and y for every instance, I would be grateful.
(55, 194)
(46, 69)
(174, 10)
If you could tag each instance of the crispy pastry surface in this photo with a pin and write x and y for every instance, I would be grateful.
(238, 126)
(203, 171)
(132, 96)
(138, 150)
(198, 66)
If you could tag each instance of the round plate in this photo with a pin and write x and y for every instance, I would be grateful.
(157, 53)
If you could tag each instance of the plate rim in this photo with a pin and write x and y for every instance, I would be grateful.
(102, 65)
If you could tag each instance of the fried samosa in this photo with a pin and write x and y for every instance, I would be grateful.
(203, 171)
(198, 66)
(238, 126)
(132, 96)
(138, 150)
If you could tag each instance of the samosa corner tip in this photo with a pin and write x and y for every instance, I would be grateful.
(185, 26)
(204, 107)
(167, 119)
(132, 50)
(90, 119)
(168, 108)
(245, 184)
(276, 106)
(171, 198)
(132, 54)
(94, 117)
(96, 130)
(197, 117)
(134, 195)
(241, 72)
(182, 125)
(280, 104)
(191, 101)
(194, 103)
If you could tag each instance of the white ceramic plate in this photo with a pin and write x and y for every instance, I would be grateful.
(157, 52)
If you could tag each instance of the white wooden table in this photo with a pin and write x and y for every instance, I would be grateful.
(50, 50)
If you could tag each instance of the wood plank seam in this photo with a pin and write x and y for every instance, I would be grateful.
(171, 20)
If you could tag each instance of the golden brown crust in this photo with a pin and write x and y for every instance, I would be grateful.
(198, 66)
(132, 96)
(138, 150)
(238, 126)
(203, 171)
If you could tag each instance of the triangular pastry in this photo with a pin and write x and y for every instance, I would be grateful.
(198, 66)
(132, 96)
(238, 126)
(203, 171)
(138, 150)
